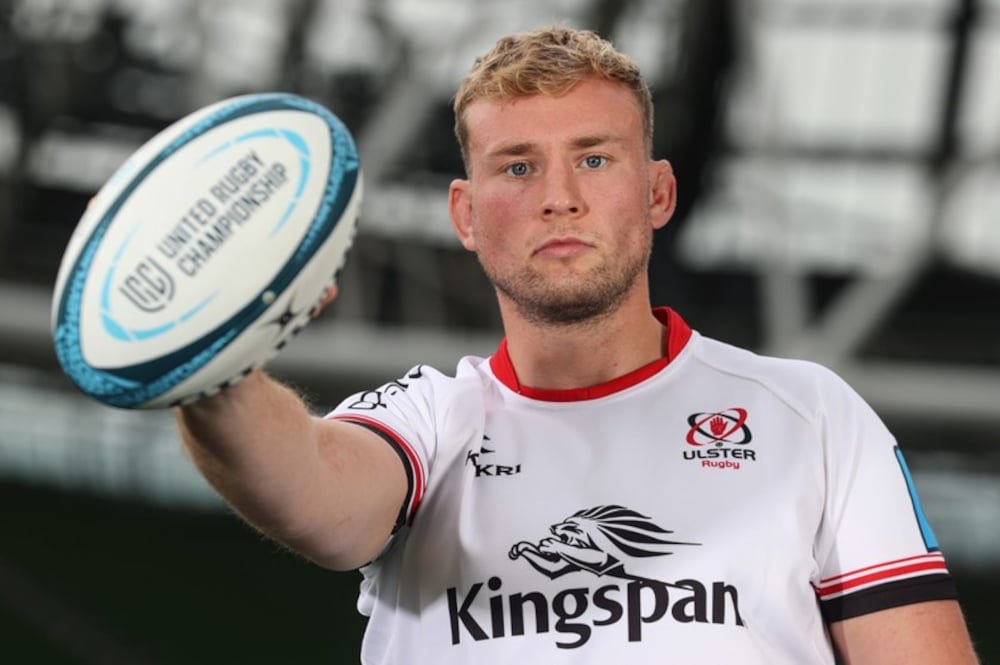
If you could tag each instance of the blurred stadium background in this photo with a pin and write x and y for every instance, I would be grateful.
(839, 167)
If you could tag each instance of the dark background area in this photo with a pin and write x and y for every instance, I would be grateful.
(88, 580)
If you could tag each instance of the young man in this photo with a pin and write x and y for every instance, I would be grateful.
(609, 486)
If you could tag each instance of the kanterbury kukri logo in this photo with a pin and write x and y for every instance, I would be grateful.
(608, 542)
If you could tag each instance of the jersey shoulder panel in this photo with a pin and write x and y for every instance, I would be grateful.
(417, 400)
(422, 415)
(804, 386)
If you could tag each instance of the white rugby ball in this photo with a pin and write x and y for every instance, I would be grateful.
(206, 251)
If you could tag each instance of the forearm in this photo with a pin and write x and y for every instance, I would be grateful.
(256, 443)
(327, 489)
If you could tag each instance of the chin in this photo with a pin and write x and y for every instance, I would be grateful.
(569, 309)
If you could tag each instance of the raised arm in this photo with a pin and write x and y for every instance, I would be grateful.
(328, 490)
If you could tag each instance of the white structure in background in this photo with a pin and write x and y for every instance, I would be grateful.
(862, 78)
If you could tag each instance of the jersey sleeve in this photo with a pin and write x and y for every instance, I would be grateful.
(875, 548)
(401, 413)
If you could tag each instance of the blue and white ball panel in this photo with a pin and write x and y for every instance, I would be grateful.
(154, 285)
(206, 251)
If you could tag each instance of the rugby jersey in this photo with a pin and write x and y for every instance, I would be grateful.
(715, 506)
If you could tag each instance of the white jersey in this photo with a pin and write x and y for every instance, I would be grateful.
(713, 507)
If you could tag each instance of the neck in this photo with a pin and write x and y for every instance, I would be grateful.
(563, 357)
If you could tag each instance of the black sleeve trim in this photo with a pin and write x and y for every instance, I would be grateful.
(403, 516)
(893, 594)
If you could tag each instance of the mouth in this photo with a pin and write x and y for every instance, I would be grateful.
(561, 248)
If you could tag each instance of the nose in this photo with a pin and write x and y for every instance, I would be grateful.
(562, 195)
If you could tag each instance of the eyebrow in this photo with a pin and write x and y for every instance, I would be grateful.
(524, 148)
(596, 140)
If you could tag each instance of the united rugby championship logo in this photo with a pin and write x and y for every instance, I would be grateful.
(719, 439)
(149, 287)
(611, 542)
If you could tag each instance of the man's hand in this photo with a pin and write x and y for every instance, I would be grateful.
(330, 295)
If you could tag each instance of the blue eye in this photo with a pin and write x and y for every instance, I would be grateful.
(518, 169)
(594, 161)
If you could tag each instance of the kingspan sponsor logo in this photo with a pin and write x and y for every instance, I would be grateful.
(606, 541)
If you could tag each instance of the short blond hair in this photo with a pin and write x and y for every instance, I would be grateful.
(548, 61)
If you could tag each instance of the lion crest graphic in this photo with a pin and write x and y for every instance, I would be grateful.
(599, 540)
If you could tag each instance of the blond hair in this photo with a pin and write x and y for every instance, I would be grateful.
(548, 61)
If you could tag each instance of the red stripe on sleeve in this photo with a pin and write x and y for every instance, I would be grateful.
(885, 572)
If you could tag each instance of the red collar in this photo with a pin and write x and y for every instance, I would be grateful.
(678, 334)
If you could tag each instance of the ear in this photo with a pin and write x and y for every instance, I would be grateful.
(460, 209)
(662, 192)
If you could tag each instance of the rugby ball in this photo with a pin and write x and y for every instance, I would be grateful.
(206, 251)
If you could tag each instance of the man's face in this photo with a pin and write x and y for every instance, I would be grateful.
(562, 200)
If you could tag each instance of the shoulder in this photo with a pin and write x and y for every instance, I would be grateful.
(468, 380)
(421, 390)
(803, 385)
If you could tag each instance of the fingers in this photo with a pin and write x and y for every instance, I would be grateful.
(328, 297)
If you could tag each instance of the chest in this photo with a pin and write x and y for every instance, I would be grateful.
(686, 488)
(663, 522)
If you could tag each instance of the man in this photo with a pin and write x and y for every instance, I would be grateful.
(609, 486)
